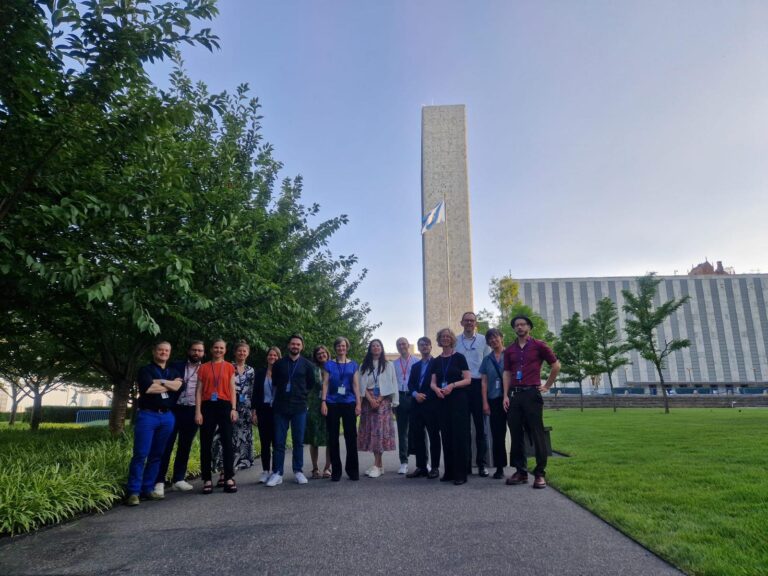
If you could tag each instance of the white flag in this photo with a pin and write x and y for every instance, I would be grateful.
(434, 216)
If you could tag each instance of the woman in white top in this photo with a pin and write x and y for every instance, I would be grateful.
(378, 383)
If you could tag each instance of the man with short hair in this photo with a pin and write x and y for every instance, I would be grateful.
(403, 367)
(185, 427)
(474, 348)
(522, 398)
(158, 385)
(293, 376)
(424, 415)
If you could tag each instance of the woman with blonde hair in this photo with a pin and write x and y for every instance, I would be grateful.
(378, 384)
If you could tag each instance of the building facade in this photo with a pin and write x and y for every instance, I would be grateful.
(726, 321)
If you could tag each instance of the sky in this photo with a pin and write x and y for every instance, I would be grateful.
(604, 138)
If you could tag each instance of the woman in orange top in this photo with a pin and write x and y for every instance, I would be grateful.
(216, 407)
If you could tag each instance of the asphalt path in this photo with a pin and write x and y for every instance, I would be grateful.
(375, 526)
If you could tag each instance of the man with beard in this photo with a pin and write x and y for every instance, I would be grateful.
(185, 427)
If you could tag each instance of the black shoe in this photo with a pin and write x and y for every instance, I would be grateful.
(499, 474)
(354, 478)
(482, 472)
(459, 482)
(446, 478)
(417, 473)
(335, 478)
(434, 473)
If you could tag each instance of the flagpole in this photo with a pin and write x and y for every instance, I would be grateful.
(447, 262)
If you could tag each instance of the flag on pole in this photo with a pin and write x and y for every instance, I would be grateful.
(434, 216)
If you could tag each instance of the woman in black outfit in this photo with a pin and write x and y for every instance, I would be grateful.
(450, 377)
(261, 410)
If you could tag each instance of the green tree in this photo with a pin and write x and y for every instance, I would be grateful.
(571, 350)
(505, 293)
(643, 320)
(603, 344)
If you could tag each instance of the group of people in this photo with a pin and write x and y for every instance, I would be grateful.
(434, 401)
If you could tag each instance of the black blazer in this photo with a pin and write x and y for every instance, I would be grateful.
(413, 381)
(257, 397)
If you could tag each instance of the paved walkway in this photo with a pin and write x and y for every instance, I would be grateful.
(375, 526)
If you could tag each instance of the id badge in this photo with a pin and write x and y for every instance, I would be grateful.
(376, 392)
(164, 395)
(444, 385)
(342, 391)
(214, 397)
(519, 375)
(242, 398)
(498, 384)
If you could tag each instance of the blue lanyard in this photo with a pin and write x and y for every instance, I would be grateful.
(161, 373)
(424, 368)
(445, 369)
(496, 364)
(471, 346)
(341, 372)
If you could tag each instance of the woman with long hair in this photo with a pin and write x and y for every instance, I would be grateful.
(341, 402)
(378, 384)
(316, 434)
(242, 430)
(450, 377)
(262, 413)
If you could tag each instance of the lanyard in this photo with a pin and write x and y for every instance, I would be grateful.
(341, 372)
(161, 373)
(404, 367)
(217, 379)
(188, 377)
(290, 376)
(496, 364)
(424, 369)
(522, 358)
(464, 343)
(444, 367)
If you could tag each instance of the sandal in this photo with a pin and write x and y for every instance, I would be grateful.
(221, 482)
(327, 473)
(316, 474)
(230, 488)
(208, 487)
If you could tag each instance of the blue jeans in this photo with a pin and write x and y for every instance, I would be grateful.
(150, 435)
(297, 422)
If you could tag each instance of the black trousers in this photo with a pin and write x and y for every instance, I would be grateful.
(475, 401)
(338, 413)
(185, 428)
(526, 408)
(216, 415)
(453, 414)
(424, 419)
(265, 422)
(498, 431)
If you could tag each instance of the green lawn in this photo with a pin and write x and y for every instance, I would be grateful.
(691, 485)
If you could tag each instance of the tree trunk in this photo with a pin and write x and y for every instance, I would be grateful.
(663, 390)
(14, 409)
(37, 411)
(121, 391)
(581, 395)
(613, 397)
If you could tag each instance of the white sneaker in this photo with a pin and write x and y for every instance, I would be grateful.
(264, 477)
(275, 479)
(181, 486)
(371, 469)
(300, 478)
(375, 472)
(403, 469)
(160, 489)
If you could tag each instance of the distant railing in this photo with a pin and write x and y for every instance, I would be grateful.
(89, 416)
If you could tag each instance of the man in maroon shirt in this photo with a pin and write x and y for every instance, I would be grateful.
(522, 398)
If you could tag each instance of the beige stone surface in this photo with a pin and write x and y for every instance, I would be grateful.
(447, 247)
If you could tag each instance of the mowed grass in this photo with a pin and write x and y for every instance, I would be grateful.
(691, 485)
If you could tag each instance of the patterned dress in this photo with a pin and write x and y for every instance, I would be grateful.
(242, 430)
(376, 432)
(315, 434)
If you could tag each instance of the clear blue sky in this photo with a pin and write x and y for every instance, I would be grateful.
(605, 138)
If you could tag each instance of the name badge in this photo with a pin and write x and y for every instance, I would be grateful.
(214, 397)
(242, 398)
(164, 395)
(519, 375)
(342, 391)
(498, 384)
(443, 385)
(376, 392)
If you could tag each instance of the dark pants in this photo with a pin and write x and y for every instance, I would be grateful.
(338, 413)
(475, 401)
(403, 412)
(453, 413)
(526, 409)
(265, 417)
(423, 419)
(216, 415)
(185, 429)
(150, 434)
(498, 431)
